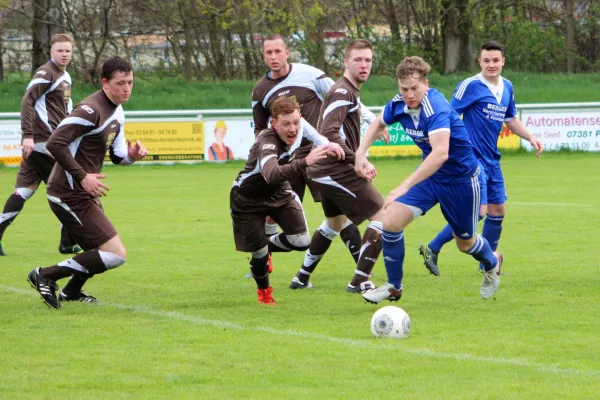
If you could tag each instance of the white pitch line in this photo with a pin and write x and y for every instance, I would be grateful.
(378, 344)
(526, 203)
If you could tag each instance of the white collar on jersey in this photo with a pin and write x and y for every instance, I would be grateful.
(496, 90)
(415, 114)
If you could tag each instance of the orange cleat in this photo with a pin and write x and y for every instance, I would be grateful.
(265, 296)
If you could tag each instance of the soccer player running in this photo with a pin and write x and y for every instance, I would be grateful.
(345, 195)
(306, 85)
(447, 175)
(46, 102)
(79, 146)
(486, 101)
(262, 189)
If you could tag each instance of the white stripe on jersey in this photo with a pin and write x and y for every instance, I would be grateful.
(302, 75)
(37, 81)
(326, 180)
(433, 132)
(264, 160)
(427, 107)
(463, 87)
(334, 105)
(76, 121)
(397, 98)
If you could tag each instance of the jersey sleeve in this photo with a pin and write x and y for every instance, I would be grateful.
(392, 111)
(259, 113)
(118, 151)
(335, 111)
(323, 83)
(272, 172)
(82, 120)
(39, 85)
(511, 111)
(310, 133)
(464, 96)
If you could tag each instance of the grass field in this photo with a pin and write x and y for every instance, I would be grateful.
(179, 321)
(150, 93)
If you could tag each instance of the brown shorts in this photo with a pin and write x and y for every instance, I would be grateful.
(34, 169)
(249, 228)
(349, 195)
(299, 184)
(85, 221)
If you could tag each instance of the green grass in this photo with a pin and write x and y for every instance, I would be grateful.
(179, 321)
(174, 93)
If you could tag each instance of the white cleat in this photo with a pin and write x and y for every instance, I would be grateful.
(491, 279)
(385, 292)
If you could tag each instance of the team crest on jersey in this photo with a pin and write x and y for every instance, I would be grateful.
(268, 147)
(87, 109)
(341, 90)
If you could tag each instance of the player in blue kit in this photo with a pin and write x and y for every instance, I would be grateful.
(486, 101)
(448, 175)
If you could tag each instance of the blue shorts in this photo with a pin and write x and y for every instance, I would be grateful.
(492, 185)
(459, 203)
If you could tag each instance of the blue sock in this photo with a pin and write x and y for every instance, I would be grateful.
(443, 237)
(492, 229)
(482, 252)
(393, 256)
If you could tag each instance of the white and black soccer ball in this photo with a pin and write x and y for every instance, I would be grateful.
(390, 321)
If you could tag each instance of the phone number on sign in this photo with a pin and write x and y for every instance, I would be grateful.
(572, 146)
(582, 134)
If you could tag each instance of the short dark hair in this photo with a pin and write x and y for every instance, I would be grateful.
(284, 105)
(411, 66)
(492, 45)
(357, 44)
(276, 36)
(115, 64)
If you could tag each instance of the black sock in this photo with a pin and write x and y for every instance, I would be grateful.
(14, 204)
(260, 271)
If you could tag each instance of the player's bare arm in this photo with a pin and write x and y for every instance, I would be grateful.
(137, 151)
(520, 130)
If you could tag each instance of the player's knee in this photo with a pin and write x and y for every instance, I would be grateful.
(112, 260)
(465, 245)
(261, 252)
(25, 193)
(300, 241)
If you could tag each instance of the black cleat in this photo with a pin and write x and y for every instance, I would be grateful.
(2, 253)
(297, 284)
(75, 249)
(83, 297)
(431, 258)
(45, 287)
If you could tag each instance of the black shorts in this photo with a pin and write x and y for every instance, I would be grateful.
(34, 169)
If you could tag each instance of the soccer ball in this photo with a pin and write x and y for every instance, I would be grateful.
(391, 322)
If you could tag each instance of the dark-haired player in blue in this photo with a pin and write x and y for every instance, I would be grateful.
(486, 101)
(448, 175)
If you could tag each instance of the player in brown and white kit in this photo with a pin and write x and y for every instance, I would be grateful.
(344, 194)
(45, 103)
(306, 85)
(262, 189)
(79, 146)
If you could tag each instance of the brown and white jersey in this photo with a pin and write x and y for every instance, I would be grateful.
(340, 123)
(271, 164)
(305, 84)
(80, 142)
(45, 104)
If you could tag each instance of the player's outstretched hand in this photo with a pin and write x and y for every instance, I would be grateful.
(335, 150)
(394, 194)
(136, 152)
(27, 148)
(365, 169)
(91, 183)
(316, 154)
(385, 135)
(538, 146)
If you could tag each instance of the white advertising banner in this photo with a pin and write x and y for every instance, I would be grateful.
(576, 129)
(228, 138)
(10, 142)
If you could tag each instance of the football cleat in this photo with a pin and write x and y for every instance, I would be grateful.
(361, 288)
(45, 287)
(75, 249)
(385, 292)
(430, 259)
(265, 296)
(83, 297)
(297, 284)
(491, 279)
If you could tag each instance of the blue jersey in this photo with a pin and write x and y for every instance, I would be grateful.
(435, 115)
(485, 108)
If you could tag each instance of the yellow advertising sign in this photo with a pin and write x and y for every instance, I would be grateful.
(169, 141)
(507, 139)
